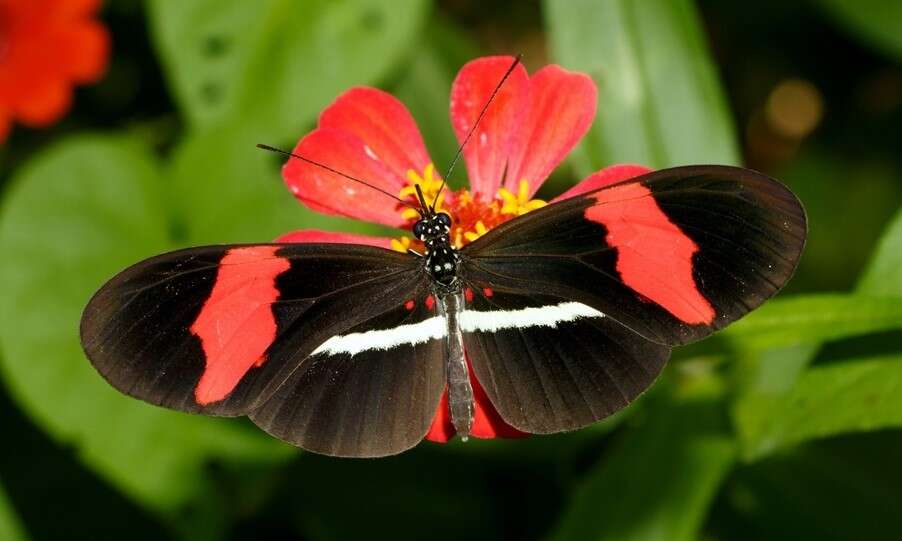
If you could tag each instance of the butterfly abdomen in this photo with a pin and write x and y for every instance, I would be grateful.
(460, 390)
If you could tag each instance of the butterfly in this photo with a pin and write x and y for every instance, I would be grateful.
(563, 315)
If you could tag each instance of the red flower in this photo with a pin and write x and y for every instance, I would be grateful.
(528, 129)
(46, 47)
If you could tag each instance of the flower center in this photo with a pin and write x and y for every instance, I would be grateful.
(430, 183)
(471, 216)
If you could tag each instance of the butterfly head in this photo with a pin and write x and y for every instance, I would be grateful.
(433, 229)
(441, 258)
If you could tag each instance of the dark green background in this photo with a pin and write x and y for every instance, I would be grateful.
(786, 426)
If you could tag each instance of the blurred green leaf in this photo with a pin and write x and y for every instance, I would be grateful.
(849, 200)
(77, 214)
(658, 482)
(878, 22)
(426, 88)
(883, 275)
(773, 378)
(10, 526)
(826, 400)
(829, 490)
(770, 371)
(659, 100)
(807, 319)
(276, 63)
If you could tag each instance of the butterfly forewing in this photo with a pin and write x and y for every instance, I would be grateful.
(574, 306)
(218, 329)
(673, 255)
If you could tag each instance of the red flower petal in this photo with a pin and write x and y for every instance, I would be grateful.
(487, 151)
(84, 49)
(441, 430)
(48, 46)
(76, 8)
(383, 123)
(315, 235)
(605, 177)
(45, 102)
(329, 193)
(560, 110)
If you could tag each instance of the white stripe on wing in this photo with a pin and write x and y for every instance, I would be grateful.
(410, 334)
(436, 327)
(538, 316)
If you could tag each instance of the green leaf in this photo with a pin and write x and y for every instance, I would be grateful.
(766, 372)
(276, 63)
(659, 100)
(850, 396)
(758, 413)
(74, 216)
(836, 489)
(658, 482)
(770, 377)
(877, 22)
(10, 526)
(819, 176)
(809, 319)
(883, 275)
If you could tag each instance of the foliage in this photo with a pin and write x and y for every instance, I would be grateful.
(759, 431)
(659, 100)
(10, 528)
(874, 20)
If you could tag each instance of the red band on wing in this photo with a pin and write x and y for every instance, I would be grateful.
(236, 323)
(654, 257)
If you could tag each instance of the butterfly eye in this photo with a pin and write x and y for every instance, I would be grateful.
(418, 229)
(443, 219)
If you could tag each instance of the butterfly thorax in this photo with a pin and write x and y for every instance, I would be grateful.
(441, 258)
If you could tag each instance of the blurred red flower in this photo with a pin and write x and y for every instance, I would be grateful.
(530, 126)
(47, 47)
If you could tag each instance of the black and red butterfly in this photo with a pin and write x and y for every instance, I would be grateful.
(566, 314)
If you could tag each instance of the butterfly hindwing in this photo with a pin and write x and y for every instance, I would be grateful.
(370, 391)
(549, 365)
(218, 329)
(673, 255)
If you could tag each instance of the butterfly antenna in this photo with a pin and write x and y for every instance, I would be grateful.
(339, 173)
(463, 143)
(426, 209)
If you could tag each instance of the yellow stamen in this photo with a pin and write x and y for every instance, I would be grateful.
(400, 244)
(410, 214)
(472, 217)
(479, 230)
(519, 204)
(429, 182)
